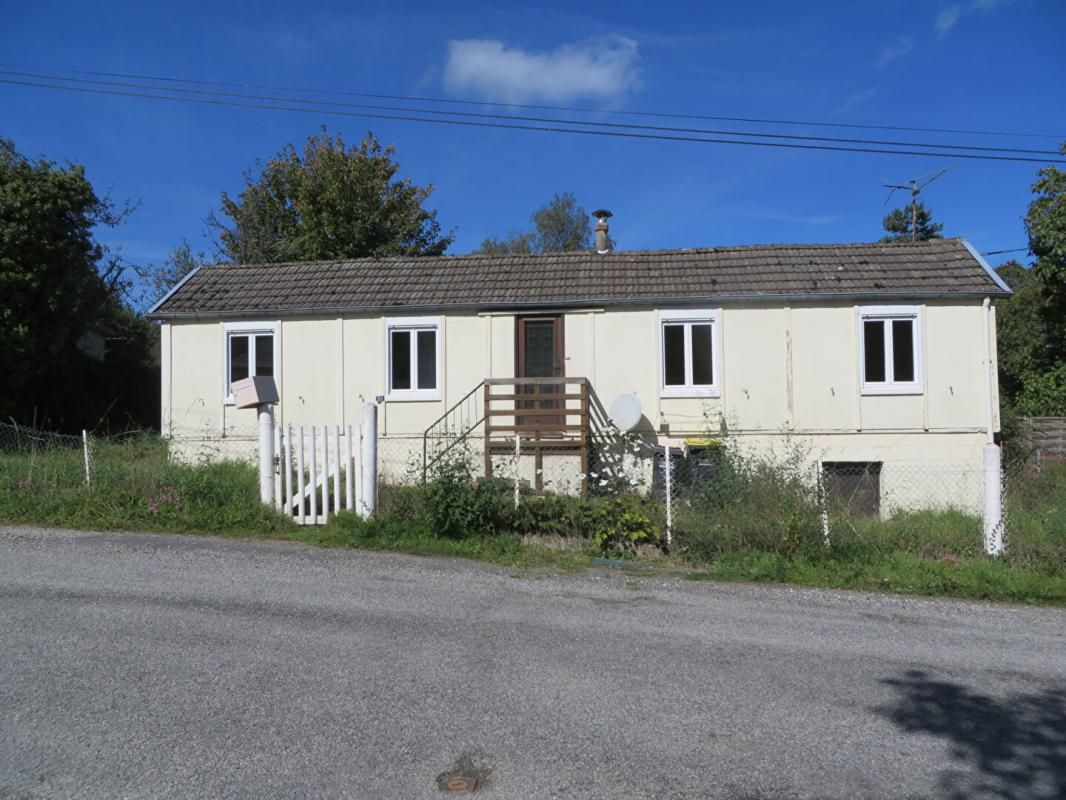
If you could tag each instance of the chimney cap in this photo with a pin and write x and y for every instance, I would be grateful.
(602, 214)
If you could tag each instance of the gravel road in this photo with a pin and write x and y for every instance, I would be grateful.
(146, 666)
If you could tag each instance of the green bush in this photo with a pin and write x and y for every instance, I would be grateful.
(580, 517)
(621, 527)
(458, 505)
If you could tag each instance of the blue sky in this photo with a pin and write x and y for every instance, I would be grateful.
(965, 64)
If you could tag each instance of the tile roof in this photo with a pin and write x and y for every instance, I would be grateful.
(932, 268)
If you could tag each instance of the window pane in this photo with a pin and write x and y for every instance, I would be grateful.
(702, 374)
(264, 355)
(427, 359)
(400, 352)
(539, 350)
(873, 340)
(902, 350)
(238, 358)
(674, 355)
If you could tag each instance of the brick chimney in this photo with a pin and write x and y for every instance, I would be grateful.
(603, 243)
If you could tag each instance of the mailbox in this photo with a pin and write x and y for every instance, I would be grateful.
(255, 391)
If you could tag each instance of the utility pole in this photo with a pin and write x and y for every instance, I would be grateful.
(915, 186)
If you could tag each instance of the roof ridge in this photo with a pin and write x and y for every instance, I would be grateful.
(571, 254)
(936, 268)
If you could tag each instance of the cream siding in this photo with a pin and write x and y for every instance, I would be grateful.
(825, 367)
(196, 366)
(778, 368)
(757, 380)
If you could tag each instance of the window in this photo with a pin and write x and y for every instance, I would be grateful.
(249, 352)
(689, 356)
(853, 487)
(891, 352)
(414, 358)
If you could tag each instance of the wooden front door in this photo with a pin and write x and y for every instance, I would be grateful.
(539, 354)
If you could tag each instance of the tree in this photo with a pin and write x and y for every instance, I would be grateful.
(1046, 225)
(62, 302)
(161, 278)
(514, 243)
(1032, 322)
(328, 202)
(1032, 380)
(899, 221)
(560, 226)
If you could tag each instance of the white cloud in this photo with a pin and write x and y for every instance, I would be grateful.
(899, 48)
(946, 20)
(793, 219)
(949, 17)
(598, 70)
(853, 100)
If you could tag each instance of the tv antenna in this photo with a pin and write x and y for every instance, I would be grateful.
(915, 186)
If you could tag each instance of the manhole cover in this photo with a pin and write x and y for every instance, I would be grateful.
(458, 784)
(470, 774)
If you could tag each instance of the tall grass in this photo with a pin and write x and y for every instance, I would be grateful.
(745, 500)
(751, 517)
(1036, 517)
(134, 486)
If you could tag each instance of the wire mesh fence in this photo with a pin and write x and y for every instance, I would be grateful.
(208, 445)
(721, 495)
(706, 496)
(46, 452)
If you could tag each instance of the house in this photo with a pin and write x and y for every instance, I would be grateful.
(881, 357)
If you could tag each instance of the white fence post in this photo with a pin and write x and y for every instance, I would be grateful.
(301, 517)
(349, 471)
(993, 516)
(369, 454)
(279, 458)
(85, 451)
(314, 475)
(823, 502)
(669, 466)
(286, 463)
(325, 474)
(336, 469)
(358, 467)
(266, 453)
(517, 461)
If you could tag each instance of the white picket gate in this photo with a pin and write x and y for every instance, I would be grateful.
(319, 471)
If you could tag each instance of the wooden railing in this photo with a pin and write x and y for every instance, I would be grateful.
(548, 415)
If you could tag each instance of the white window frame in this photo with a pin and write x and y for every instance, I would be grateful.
(887, 314)
(231, 329)
(414, 324)
(700, 316)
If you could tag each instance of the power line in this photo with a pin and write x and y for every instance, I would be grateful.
(1001, 252)
(542, 128)
(569, 109)
(547, 120)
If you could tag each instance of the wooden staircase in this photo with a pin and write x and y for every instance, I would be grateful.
(549, 416)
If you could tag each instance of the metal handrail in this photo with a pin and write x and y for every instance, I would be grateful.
(426, 463)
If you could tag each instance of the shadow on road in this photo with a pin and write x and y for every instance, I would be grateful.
(1009, 748)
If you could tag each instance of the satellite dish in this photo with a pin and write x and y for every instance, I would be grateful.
(626, 412)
